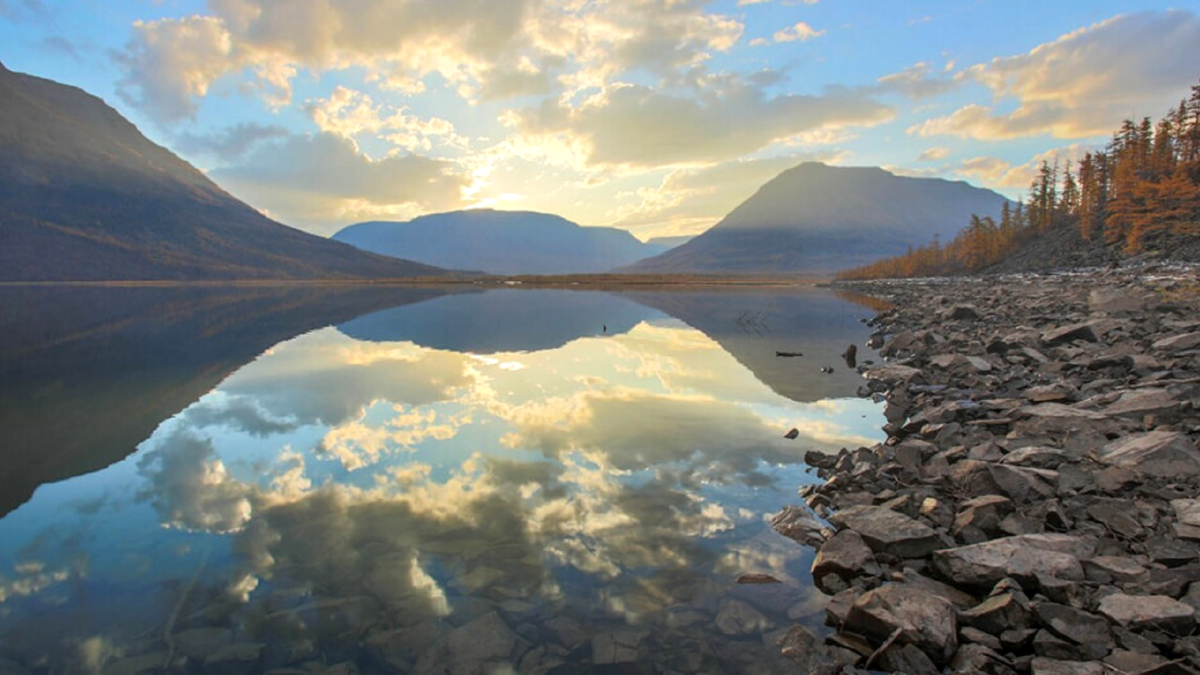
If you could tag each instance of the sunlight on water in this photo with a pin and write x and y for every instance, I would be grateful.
(486, 482)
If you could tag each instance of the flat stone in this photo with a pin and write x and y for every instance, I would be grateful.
(757, 578)
(1157, 612)
(805, 650)
(1023, 557)
(198, 643)
(486, 638)
(1052, 393)
(1072, 624)
(737, 617)
(1069, 333)
(1108, 569)
(1178, 342)
(892, 374)
(1162, 454)
(1138, 403)
(1044, 666)
(885, 530)
(234, 659)
(1061, 411)
(984, 513)
(925, 620)
(616, 647)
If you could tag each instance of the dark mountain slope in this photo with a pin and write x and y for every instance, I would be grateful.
(85, 196)
(815, 218)
(501, 242)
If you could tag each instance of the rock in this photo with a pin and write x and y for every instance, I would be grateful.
(1073, 624)
(1171, 552)
(616, 647)
(198, 643)
(1117, 516)
(886, 531)
(1156, 612)
(799, 523)
(757, 578)
(963, 313)
(998, 613)
(892, 374)
(1132, 662)
(908, 659)
(924, 620)
(1178, 342)
(1115, 301)
(1162, 454)
(1187, 512)
(737, 617)
(566, 631)
(1069, 333)
(1113, 569)
(486, 638)
(1021, 485)
(1138, 403)
(804, 649)
(960, 362)
(845, 556)
(1044, 666)
(1023, 557)
(983, 513)
(234, 659)
(134, 665)
(1052, 393)
(977, 658)
(791, 435)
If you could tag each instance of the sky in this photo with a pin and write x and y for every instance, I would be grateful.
(657, 116)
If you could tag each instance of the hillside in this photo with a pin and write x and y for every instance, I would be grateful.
(815, 218)
(85, 196)
(501, 242)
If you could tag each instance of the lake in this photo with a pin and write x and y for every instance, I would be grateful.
(449, 480)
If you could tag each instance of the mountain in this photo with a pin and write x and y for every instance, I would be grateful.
(85, 196)
(815, 218)
(670, 242)
(501, 242)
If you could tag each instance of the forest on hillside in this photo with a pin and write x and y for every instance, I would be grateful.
(1140, 193)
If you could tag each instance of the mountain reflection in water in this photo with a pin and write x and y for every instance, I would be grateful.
(449, 480)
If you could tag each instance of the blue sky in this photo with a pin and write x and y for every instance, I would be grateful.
(654, 115)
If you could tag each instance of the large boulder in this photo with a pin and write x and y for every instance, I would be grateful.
(1024, 557)
(925, 620)
(1161, 454)
(887, 531)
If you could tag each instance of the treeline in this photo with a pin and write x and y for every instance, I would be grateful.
(1140, 191)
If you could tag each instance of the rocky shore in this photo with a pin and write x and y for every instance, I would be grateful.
(1036, 506)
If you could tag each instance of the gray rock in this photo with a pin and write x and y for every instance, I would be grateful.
(1073, 624)
(804, 649)
(234, 659)
(1162, 454)
(1052, 393)
(799, 523)
(1178, 342)
(1069, 333)
(1045, 666)
(998, 613)
(736, 617)
(486, 638)
(1023, 557)
(892, 374)
(1187, 513)
(845, 556)
(616, 647)
(924, 620)
(1137, 403)
(1020, 484)
(1157, 612)
(198, 643)
(983, 513)
(885, 530)
(977, 658)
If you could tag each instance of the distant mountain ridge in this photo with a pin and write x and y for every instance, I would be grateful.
(815, 218)
(501, 242)
(85, 196)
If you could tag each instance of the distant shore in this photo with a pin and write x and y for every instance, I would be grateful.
(1035, 507)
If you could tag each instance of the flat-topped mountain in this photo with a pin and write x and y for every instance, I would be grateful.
(815, 218)
(85, 196)
(501, 242)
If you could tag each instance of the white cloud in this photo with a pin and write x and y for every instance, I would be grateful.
(800, 31)
(933, 154)
(1085, 82)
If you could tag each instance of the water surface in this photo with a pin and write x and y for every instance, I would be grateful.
(411, 480)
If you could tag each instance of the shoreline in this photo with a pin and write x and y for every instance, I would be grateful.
(1035, 507)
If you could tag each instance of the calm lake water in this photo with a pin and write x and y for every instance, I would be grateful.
(411, 479)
